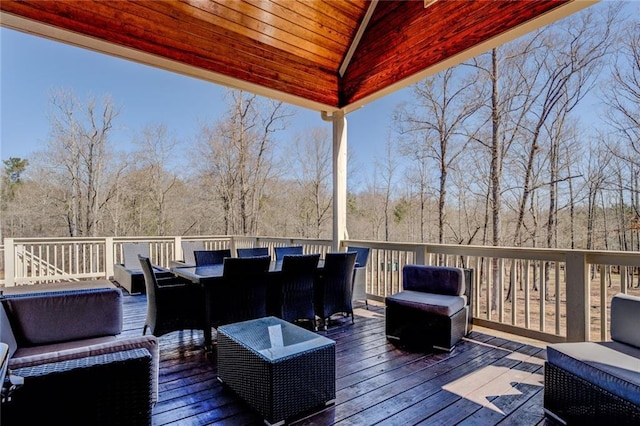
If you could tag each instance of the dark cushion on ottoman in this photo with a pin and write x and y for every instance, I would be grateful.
(612, 366)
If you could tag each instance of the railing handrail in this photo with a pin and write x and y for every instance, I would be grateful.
(629, 258)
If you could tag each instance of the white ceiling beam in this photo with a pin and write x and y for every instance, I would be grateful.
(356, 40)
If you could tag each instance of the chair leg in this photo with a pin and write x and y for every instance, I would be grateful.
(144, 330)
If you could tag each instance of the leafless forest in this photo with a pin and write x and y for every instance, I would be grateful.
(495, 151)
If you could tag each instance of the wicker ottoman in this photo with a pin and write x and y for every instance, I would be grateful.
(278, 368)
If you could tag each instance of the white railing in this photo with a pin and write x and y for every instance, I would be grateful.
(38, 260)
(547, 294)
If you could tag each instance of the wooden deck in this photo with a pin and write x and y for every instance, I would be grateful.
(486, 380)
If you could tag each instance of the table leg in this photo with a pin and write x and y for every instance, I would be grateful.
(208, 341)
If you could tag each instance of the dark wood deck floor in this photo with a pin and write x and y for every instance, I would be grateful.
(486, 380)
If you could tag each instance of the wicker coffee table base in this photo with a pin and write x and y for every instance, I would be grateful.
(278, 389)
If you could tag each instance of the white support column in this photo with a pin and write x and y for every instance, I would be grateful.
(108, 257)
(177, 249)
(339, 177)
(9, 263)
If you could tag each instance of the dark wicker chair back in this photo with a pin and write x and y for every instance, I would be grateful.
(172, 303)
(253, 252)
(211, 257)
(283, 251)
(362, 255)
(332, 294)
(297, 279)
(244, 291)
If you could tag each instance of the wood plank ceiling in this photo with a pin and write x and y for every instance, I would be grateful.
(287, 49)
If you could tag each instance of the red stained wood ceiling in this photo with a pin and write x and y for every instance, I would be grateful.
(287, 49)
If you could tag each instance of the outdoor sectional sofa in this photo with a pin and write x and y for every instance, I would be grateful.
(76, 368)
(598, 382)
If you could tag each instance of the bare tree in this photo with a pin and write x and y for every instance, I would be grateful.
(622, 97)
(571, 55)
(595, 178)
(387, 166)
(156, 149)
(235, 158)
(311, 164)
(622, 93)
(418, 176)
(442, 107)
(78, 153)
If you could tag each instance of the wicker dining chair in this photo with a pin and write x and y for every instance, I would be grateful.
(296, 288)
(211, 257)
(243, 293)
(253, 251)
(283, 251)
(332, 292)
(360, 274)
(173, 304)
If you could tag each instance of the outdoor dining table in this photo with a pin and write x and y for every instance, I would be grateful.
(209, 276)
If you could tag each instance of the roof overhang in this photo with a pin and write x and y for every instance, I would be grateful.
(326, 56)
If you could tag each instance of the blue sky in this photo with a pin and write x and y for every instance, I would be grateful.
(31, 67)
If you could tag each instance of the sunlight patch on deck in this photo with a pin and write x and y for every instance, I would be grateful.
(490, 382)
(361, 312)
(517, 356)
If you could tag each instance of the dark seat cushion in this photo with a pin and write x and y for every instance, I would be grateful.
(612, 366)
(438, 304)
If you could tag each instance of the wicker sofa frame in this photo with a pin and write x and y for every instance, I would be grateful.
(573, 400)
(105, 390)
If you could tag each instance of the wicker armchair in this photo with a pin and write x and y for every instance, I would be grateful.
(173, 304)
(431, 311)
(296, 285)
(332, 292)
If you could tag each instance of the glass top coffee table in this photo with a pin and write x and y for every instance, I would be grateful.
(278, 368)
